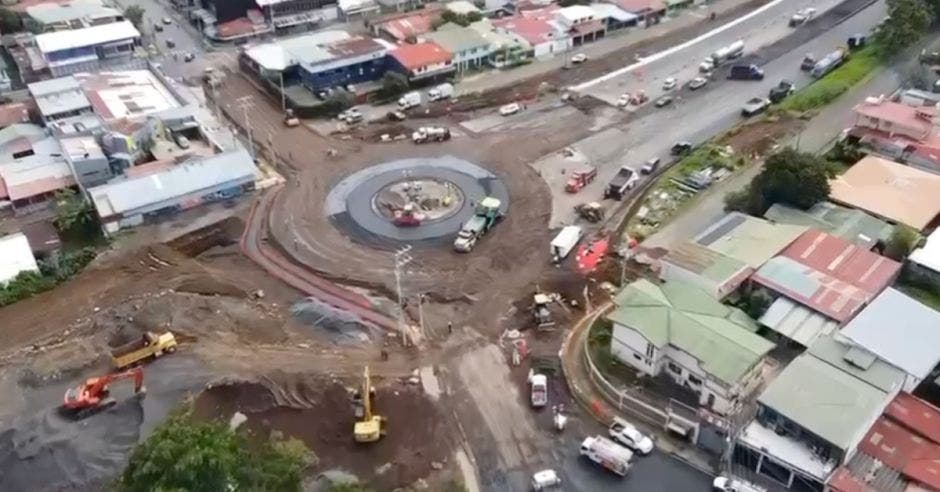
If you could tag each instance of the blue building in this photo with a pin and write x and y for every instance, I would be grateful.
(318, 61)
(88, 49)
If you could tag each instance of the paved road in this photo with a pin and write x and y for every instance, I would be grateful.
(695, 116)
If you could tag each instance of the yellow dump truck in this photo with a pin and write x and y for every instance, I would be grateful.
(148, 345)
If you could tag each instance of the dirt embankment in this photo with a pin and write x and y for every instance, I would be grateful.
(319, 412)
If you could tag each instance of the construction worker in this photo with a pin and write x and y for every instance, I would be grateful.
(384, 354)
(450, 327)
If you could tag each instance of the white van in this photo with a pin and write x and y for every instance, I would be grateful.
(565, 241)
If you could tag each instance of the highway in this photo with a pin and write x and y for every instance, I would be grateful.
(700, 115)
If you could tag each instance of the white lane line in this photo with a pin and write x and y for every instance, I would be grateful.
(662, 54)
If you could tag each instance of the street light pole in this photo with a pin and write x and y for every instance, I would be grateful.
(402, 258)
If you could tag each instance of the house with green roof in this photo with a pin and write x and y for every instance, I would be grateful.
(471, 50)
(681, 331)
(811, 418)
(711, 271)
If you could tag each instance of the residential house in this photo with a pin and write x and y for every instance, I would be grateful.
(581, 24)
(713, 272)
(470, 49)
(894, 192)
(15, 257)
(541, 34)
(850, 224)
(614, 17)
(811, 418)
(426, 61)
(88, 49)
(32, 168)
(680, 331)
(902, 132)
(819, 282)
(900, 453)
(648, 12)
(49, 17)
(506, 48)
(901, 331)
(748, 239)
(407, 27)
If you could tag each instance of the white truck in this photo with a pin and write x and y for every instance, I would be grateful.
(725, 484)
(443, 91)
(608, 454)
(409, 100)
(430, 134)
(730, 52)
(828, 63)
(565, 241)
(538, 384)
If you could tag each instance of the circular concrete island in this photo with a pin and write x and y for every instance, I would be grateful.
(421, 201)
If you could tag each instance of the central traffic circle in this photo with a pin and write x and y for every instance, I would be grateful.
(421, 201)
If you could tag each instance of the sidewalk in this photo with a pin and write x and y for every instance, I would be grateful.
(632, 36)
(595, 402)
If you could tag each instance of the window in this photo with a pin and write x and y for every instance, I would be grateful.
(649, 350)
(637, 357)
(675, 368)
(694, 380)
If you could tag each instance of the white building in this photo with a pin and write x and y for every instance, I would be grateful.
(685, 333)
(89, 48)
(15, 257)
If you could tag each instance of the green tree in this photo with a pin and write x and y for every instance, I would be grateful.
(393, 84)
(76, 216)
(135, 14)
(10, 22)
(903, 240)
(185, 454)
(908, 21)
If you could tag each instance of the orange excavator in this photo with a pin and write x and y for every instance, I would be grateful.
(94, 395)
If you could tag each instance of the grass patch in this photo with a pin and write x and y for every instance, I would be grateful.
(50, 274)
(836, 82)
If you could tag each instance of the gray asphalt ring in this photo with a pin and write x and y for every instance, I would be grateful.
(349, 203)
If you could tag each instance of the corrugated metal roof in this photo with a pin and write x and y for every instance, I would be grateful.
(705, 262)
(825, 400)
(748, 239)
(916, 414)
(928, 255)
(308, 48)
(797, 322)
(900, 330)
(819, 291)
(843, 260)
(877, 373)
(15, 256)
(88, 36)
(456, 39)
(719, 336)
(848, 223)
(127, 196)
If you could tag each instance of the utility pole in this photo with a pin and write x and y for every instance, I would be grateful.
(421, 298)
(245, 103)
(283, 96)
(402, 258)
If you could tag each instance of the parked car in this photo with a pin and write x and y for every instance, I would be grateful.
(350, 116)
(857, 41)
(681, 148)
(780, 91)
(623, 101)
(626, 434)
(395, 116)
(663, 101)
(545, 479)
(697, 83)
(170, 43)
(166, 20)
(579, 58)
(725, 484)
(158, 27)
(809, 61)
(189, 57)
(650, 167)
(670, 83)
(755, 105)
(181, 141)
(510, 109)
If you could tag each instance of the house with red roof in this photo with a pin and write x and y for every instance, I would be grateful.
(820, 282)
(421, 61)
(539, 31)
(899, 131)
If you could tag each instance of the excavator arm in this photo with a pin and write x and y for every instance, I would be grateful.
(93, 393)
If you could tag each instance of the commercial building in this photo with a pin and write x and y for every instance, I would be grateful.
(425, 61)
(850, 224)
(901, 331)
(133, 94)
(711, 271)
(15, 257)
(59, 98)
(648, 12)
(77, 14)
(470, 50)
(88, 49)
(894, 192)
(129, 202)
(681, 331)
(818, 283)
(614, 17)
(813, 415)
(748, 239)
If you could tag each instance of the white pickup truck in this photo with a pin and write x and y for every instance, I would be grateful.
(626, 434)
(538, 390)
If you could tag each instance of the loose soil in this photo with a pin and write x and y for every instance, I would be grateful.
(319, 412)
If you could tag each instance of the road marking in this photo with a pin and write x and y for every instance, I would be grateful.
(662, 54)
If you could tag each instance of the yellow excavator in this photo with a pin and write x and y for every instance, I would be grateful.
(369, 428)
